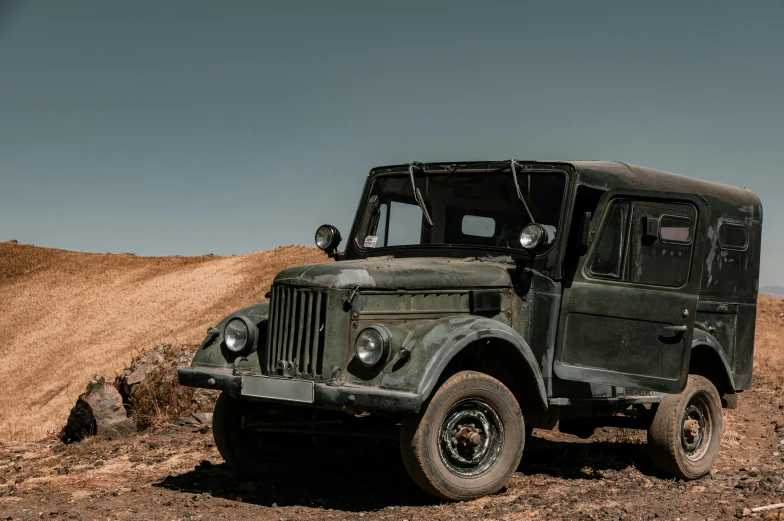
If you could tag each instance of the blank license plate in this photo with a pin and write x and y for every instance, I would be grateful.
(277, 388)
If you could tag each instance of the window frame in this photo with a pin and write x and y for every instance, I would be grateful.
(362, 219)
(590, 255)
(615, 203)
(743, 226)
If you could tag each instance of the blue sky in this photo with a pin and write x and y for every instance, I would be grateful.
(227, 127)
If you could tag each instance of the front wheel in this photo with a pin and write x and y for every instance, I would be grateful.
(685, 435)
(468, 441)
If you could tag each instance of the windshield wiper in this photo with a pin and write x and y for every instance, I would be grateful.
(418, 194)
(512, 164)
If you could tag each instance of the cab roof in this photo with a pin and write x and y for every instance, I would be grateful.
(608, 175)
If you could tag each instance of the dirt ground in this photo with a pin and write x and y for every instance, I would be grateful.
(175, 472)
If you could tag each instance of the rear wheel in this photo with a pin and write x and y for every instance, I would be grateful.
(254, 453)
(468, 441)
(685, 435)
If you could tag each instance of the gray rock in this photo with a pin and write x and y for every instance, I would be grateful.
(99, 410)
(204, 418)
(142, 370)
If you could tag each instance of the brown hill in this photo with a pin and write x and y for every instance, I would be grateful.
(65, 316)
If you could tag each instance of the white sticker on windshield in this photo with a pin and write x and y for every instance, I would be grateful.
(370, 241)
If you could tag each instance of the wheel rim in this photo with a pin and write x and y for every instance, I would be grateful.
(471, 437)
(696, 428)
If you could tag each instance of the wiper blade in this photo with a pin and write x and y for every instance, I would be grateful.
(512, 164)
(418, 195)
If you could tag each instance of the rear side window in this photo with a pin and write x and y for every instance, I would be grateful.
(733, 236)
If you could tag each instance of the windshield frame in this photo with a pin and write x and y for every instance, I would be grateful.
(355, 248)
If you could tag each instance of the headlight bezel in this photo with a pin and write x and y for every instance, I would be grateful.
(537, 234)
(385, 340)
(249, 343)
(332, 234)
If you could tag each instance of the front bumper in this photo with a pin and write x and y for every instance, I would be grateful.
(301, 392)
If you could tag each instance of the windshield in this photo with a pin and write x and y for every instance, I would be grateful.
(467, 209)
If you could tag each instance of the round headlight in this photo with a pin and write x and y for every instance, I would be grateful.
(236, 335)
(531, 236)
(327, 237)
(372, 345)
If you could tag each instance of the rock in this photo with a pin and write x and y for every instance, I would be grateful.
(142, 370)
(204, 418)
(746, 512)
(99, 410)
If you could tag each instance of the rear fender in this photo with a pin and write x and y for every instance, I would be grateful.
(704, 341)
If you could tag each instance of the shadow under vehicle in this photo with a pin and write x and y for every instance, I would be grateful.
(476, 301)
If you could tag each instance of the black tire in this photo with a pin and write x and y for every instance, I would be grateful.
(685, 435)
(441, 462)
(253, 454)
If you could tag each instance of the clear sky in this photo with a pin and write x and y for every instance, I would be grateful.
(189, 127)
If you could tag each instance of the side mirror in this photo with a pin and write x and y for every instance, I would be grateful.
(328, 238)
(585, 231)
(533, 236)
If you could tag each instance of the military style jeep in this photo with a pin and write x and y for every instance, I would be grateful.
(476, 301)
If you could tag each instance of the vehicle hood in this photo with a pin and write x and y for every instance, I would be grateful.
(390, 273)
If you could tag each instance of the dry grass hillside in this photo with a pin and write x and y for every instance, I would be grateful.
(769, 340)
(65, 316)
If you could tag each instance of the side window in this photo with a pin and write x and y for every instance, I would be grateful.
(733, 236)
(608, 260)
(646, 243)
(675, 229)
(661, 244)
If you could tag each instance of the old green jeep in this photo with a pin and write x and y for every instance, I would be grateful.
(476, 301)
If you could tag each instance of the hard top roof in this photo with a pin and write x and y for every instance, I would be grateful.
(608, 175)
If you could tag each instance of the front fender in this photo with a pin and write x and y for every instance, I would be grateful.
(433, 346)
(212, 351)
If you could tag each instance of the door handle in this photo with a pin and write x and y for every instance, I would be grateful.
(676, 328)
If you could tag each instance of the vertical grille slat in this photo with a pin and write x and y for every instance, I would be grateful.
(297, 330)
(286, 323)
(308, 325)
(317, 334)
(298, 345)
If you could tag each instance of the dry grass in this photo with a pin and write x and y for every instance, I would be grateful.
(66, 316)
(768, 341)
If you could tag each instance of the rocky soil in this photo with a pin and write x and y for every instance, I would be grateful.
(173, 471)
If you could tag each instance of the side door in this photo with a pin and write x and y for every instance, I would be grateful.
(628, 317)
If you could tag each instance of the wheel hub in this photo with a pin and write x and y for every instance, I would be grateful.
(467, 436)
(695, 429)
(470, 437)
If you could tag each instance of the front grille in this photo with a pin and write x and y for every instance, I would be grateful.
(296, 331)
